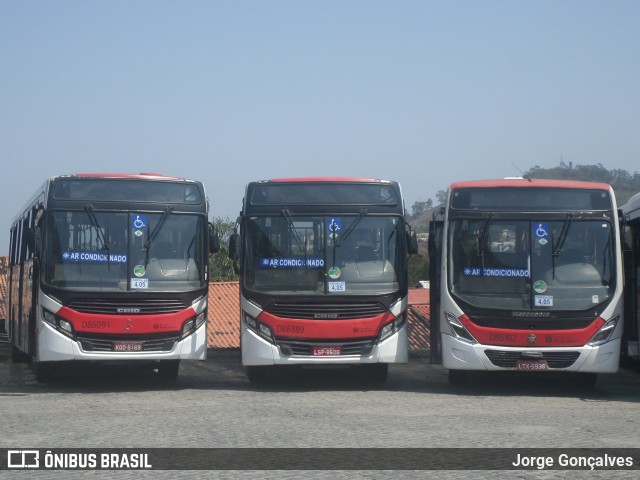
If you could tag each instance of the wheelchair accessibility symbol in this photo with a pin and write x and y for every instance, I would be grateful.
(541, 230)
(139, 221)
(334, 225)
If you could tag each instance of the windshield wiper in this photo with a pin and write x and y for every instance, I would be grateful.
(147, 245)
(347, 232)
(94, 222)
(301, 245)
(353, 225)
(482, 238)
(556, 249)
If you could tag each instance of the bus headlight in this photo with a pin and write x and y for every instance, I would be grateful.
(459, 331)
(60, 324)
(65, 327)
(201, 318)
(394, 326)
(188, 326)
(258, 327)
(49, 317)
(604, 334)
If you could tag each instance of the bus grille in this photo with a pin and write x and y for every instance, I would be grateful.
(322, 311)
(112, 306)
(508, 359)
(101, 344)
(290, 348)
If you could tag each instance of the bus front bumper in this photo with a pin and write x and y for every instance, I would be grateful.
(458, 355)
(54, 346)
(257, 351)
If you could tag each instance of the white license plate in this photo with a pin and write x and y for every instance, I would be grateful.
(127, 346)
(327, 351)
(532, 365)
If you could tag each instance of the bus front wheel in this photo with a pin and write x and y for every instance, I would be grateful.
(168, 370)
(458, 377)
(586, 379)
(17, 356)
(257, 374)
(45, 371)
(378, 372)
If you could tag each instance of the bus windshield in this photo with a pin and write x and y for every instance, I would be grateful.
(539, 265)
(323, 255)
(123, 251)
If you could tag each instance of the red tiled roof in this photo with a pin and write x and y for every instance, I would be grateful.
(4, 281)
(419, 296)
(224, 315)
(419, 315)
(419, 327)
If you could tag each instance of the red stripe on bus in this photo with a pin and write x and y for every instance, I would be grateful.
(325, 329)
(532, 338)
(125, 323)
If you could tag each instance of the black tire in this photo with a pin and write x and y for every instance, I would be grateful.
(458, 378)
(257, 374)
(168, 370)
(17, 356)
(378, 372)
(586, 380)
(45, 371)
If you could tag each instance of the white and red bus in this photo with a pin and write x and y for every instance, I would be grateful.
(631, 222)
(110, 268)
(527, 275)
(323, 274)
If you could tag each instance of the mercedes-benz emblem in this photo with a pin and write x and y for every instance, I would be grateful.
(128, 324)
(531, 338)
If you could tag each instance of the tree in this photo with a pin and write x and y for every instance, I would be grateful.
(419, 265)
(220, 266)
(624, 184)
(420, 207)
(441, 197)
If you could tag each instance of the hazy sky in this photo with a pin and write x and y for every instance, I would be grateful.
(422, 92)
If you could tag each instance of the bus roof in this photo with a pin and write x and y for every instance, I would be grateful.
(137, 176)
(528, 183)
(632, 208)
(327, 179)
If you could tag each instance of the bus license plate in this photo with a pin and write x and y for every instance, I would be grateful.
(532, 365)
(327, 351)
(127, 346)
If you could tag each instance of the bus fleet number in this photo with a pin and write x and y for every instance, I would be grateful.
(95, 324)
(290, 329)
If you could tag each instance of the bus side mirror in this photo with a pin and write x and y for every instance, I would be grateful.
(234, 243)
(214, 241)
(435, 237)
(234, 252)
(412, 242)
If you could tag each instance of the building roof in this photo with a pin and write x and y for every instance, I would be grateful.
(4, 280)
(419, 327)
(224, 315)
(419, 296)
